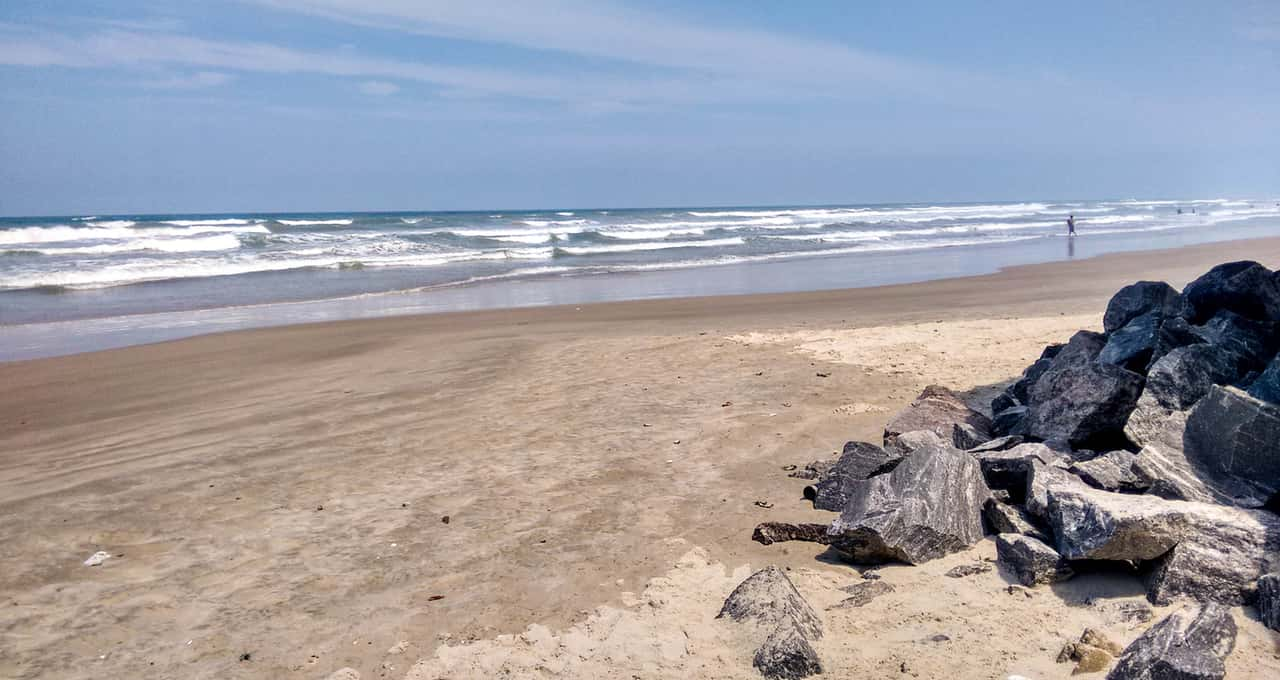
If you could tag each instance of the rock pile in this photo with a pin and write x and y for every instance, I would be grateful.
(1155, 444)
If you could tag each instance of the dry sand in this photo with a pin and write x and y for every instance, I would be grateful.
(273, 500)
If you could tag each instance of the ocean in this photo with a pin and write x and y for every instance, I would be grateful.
(130, 271)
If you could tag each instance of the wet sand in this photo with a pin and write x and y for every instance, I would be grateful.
(281, 493)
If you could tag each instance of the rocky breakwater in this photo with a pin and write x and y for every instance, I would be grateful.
(1154, 445)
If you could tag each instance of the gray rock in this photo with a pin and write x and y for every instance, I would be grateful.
(1112, 471)
(859, 461)
(1269, 600)
(1003, 518)
(1138, 299)
(1197, 550)
(1022, 386)
(939, 410)
(1236, 439)
(1163, 467)
(768, 598)
(1031, 560)
(863, 593)
(1266, 386)
(1246, 288)
(1081, 401)
(997, 444)
(768, 533)
(1191, 644)
(929, 506)
(814, 470)
(908, 442)
(1040, 479)
(787, 655)
(1175, 383)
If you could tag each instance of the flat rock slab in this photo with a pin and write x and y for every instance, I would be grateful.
(966, 570)
(929, 506)
(1199, 551)
(1191, 644)
(863, 593)
(1111, 471)
(768, 533)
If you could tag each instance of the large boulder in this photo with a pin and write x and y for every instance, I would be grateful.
(1008, 469)
(1236, 439)
(1081, 401)
(1269, 600)
(1030, 560)
(857, 462)
(929, 506)
(1111, 471)
(907, 442)
(1267, 386)
(1249, 344)
(1191, 644)
(1199, 551)
(1140, 298)
(1163, 468)
(940, 410)
(1175, 383)
(1042, 477)
(1246, 288)
(1133, 346)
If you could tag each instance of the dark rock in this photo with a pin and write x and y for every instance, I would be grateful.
(1111, 471)
(859, 461)
(1007, 469)
(787, 654)
(1041, 478)
(929, 506)
(1266, 386)
(862, 593)
(1022, 387)
(939, 410)
(1191, 644)
(1246, 288)
(1081, 401)
(768, 598)
(1011, 421)
(966, 436)
(1131, 347)
(1197, 550)
(997, 444)
(1249, 344)
(1174, 332)
(971, 569)
(1003, 401)
(1031, 560)
(1051, 351)
(908, 442)
(769, 533)
(1003, 518)
(1269, 600)
(1236, 438)
(1175, 383)
(1138, 299)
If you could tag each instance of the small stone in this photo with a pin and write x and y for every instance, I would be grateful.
(863, 593)
(964, 570)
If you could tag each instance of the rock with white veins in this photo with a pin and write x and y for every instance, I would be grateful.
(1191, 644)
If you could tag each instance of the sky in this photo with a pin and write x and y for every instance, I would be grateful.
(140, 106)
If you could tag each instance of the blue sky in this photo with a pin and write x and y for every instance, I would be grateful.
(307, 105)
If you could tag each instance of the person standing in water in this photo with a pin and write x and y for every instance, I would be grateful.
(1071, 225)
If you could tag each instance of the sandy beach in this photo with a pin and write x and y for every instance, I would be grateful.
(406, 497)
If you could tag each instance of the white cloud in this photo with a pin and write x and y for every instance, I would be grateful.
(379, 88)
(195, 81)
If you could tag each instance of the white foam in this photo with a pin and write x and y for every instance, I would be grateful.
(651, 234)
(653, 245)
(549, 223)
(565, 214)
(108, 224)
(209, 223)
(189, 245)
(309, 223)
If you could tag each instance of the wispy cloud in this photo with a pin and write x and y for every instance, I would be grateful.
(195, 81)
(379, 88)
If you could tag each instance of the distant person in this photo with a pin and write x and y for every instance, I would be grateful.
(1071, 225)
(1179, 211)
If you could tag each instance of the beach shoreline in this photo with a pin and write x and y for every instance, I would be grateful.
(281, 493)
